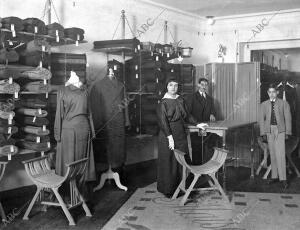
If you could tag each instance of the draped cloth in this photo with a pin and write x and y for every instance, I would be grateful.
(107, 106)
(73, 130)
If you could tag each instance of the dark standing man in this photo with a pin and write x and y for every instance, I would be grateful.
(201, 107)
(276, 126)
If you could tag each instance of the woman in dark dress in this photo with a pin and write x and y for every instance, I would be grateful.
(73, 127)
(172, 115)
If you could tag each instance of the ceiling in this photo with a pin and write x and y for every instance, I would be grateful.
(219, 8)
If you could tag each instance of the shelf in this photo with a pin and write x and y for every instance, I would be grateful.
(26, 37)
(116, 50)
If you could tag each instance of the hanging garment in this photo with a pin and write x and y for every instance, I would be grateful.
(172, 114)
(73, 130)
(107, 105)
(287, 92)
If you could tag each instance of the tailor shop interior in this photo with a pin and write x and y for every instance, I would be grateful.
(104, 114)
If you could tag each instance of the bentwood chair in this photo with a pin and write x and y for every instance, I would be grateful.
(45, 179)
(210, 168)
(2, 170)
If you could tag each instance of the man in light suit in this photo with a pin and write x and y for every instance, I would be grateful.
(275, 127)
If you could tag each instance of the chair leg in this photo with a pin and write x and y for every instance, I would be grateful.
(175, 195)
(188, 191)
(217, 184)
(3, 216)
(267, 172)
(85, 207)
(64, 207)
(292, 164)
(36, 195)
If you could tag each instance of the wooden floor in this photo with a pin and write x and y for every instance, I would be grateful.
(106, 202)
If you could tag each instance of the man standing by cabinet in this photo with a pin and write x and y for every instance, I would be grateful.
(201, 107)
(275, 127)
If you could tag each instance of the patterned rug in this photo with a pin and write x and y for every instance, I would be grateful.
(147, 209)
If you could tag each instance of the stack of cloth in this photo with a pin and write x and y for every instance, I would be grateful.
(7, 146)
(117, 67)
(74, 33)
(143, 116)
(15, 21)
(55, 29)
(34, 53)
(145, 76)
(8, 56)
(34, 25)
(63, 63)
(8, 88)
(187, 78)
(130, 44)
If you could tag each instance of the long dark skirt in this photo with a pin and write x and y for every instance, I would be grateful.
(169, 170)
(75, 145)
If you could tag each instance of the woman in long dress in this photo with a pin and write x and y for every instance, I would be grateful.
(73, 127)
(172, 114)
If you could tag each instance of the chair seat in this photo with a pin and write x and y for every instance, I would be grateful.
(208, 167)
(50, 180)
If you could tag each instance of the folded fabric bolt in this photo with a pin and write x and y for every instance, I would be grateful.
(36, 45)
(32, 112)
(30, 25)
(39, 73)
(37, 86)
(7, 130)
(34, 59)
(7, 115)
(7, 106)
(55, 29)
(17, 22)
(8, 150)
(74, 33)
(36, 130)
(34, 138)
(5, 87)
(30, 103)
(8, 55)
(34, 145)
(13, 71)
(34, 121)
(5, 122)
(4, 141)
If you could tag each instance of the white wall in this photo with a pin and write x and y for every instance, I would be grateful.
(233, 31)
(294, 62)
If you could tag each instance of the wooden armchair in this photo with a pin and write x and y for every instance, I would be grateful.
(210, 168)
(44, 178)
(2, 170)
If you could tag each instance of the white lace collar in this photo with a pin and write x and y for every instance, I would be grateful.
(167, 96)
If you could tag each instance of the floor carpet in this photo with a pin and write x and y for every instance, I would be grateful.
(149, 210)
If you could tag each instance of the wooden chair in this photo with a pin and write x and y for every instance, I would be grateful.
(2, 170)
(290, 145)
(210, 168)
(44, 178)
